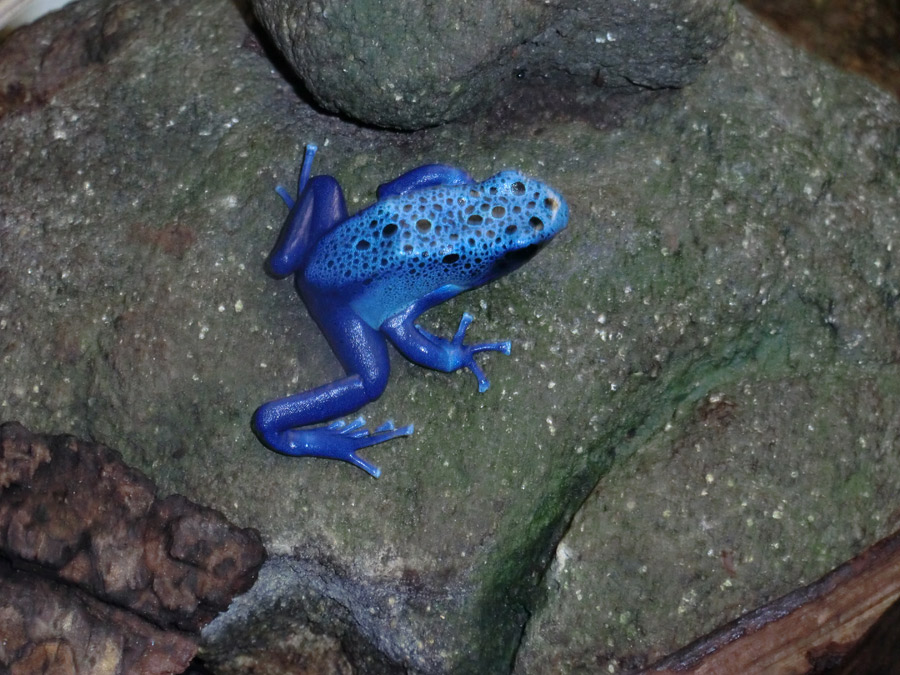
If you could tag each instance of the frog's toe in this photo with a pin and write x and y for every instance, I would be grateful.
(285, 196)
(483, 383)
(368, 467)
(464, 323)
(362, 438)
(355, 429)
(337, 440)
(389, 427)
(504, 347)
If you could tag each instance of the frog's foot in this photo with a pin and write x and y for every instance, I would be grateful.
(305, 170)
(463, 356)
(338, 440)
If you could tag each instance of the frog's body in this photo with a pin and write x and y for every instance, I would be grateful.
(433, 233)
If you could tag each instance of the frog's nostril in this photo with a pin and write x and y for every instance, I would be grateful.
(552, 203)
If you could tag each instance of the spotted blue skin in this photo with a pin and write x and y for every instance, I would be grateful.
(433, 233)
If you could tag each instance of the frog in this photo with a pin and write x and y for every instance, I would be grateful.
(433, 233)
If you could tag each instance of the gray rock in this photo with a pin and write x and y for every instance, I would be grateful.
(769, 459)
(623, 46)
(410, 65)
(732, 251)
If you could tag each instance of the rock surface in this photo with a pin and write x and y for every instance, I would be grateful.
(410, 65)
(704, 368)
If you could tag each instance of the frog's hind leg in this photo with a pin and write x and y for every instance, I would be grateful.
(277, 422)
(305, 170)
(319, 207)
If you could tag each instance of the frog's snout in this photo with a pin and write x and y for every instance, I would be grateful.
(553, 203)
(558, 211)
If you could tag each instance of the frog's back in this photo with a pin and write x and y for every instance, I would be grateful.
(403, 247)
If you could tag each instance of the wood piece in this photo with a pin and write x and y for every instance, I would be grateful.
(805, 631)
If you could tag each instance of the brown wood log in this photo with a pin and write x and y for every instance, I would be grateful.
(814, 629)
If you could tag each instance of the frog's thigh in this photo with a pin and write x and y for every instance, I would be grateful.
(362, 351)
(314, 406)
(320, 208)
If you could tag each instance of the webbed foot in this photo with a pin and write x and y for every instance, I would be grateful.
(338, 440)
(463, 356)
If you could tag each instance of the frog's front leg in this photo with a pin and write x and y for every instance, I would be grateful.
(431, 351)
(276, 422)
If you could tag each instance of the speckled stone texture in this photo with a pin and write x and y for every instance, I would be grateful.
(410, 64)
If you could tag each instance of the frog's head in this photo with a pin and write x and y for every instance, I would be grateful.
(516, 217)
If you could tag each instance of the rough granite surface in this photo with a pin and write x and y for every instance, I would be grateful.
(700, 411)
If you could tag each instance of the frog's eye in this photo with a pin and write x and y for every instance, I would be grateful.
(517, 188)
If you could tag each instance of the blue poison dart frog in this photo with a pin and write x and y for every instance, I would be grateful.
(433, 233)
